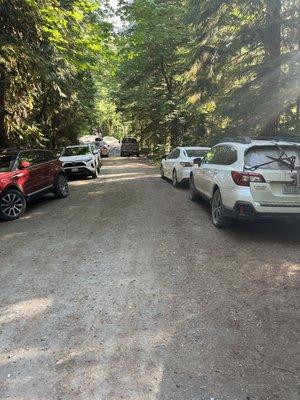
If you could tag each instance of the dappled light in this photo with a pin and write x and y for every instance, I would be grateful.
(25, 309)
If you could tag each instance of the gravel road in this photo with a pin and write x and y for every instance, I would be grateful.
(125, 290)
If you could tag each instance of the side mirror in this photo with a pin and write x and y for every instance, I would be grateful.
(164, 157)
(24, 164)
(198, 161)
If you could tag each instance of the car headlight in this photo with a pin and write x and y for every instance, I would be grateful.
(88, 159)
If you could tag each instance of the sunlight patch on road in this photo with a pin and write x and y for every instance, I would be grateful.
(25, 309)
(291, 269)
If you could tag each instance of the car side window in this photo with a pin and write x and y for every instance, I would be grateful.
(209, 157)
(176, 153)
(170, 155)
(29, 156)
(231, 155)
(221, 155)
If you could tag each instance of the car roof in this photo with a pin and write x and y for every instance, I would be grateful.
(258, 143)
(194, 148)
(79, 145)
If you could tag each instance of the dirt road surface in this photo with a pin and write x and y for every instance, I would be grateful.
(125, 290)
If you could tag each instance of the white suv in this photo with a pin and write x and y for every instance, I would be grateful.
(249, 179)
(83, 160)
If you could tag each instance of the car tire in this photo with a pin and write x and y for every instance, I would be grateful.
(61, 187)
(95, 174)
(12, 205)
(219, 219)
(138, 154)
(175, 182)
(161, 170)
(193, 193)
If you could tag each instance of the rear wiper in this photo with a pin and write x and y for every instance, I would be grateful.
(283, 158)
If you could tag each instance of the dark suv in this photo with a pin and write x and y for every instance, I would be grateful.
(130, 147)
(25, 174)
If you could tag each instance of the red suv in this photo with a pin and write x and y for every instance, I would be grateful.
(25, 174)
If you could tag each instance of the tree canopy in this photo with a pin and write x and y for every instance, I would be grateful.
(175, 72)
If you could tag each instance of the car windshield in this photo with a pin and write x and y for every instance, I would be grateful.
(129, 140)
(7, 162)
(267, 157)
(76, 151)
(196, 153)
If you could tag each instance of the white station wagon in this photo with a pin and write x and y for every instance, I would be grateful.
(249, 179)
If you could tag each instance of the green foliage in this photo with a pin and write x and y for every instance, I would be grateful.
(52, 54)
(177, 72)
(193, 70)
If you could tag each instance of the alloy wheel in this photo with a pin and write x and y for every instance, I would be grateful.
(63, 185)
(216, 207)
(174, 178)
(11, 205)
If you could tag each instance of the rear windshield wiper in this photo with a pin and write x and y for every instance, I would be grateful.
(289, 161)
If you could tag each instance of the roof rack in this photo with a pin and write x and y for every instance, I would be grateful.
(248, 140)
(239, 139)
(292, 138)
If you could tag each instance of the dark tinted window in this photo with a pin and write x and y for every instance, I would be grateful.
(174, 154)
(7, 162)
(196, 153)
(76, 151)
(30, 156)
(44, 156)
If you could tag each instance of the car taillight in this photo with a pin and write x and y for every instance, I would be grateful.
(245, 178)
(186, 164)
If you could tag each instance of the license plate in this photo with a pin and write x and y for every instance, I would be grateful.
(288, 189)
(74, 169)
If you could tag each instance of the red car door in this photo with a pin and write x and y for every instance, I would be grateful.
(34, 178)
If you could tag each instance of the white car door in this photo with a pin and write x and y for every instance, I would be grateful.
(170, 161)
(202, 173)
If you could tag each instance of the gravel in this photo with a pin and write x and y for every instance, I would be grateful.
(125, 290)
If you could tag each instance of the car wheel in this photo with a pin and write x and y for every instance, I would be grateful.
(219, 218)
(174, 178)
(95, 174)
(193, 193)
(61, 188)
(12, 205)
(161, 170)
(138, 154)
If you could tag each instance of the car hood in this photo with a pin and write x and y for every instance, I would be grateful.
(75, 158)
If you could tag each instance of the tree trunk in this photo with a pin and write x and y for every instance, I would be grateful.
(272, 45)
(3, 133)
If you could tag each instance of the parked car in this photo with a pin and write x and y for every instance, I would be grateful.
(25, 174)
(249, 179)
(102, 147)
(130, 147)
(178, 163)
(81, 160)
(104, 150)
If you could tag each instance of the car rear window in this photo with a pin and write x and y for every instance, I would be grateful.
(7, 162)
(76, 151)
(259, 155)
(196, 153)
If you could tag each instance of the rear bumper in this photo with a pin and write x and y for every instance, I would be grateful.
(245, 210)
(183, 174)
